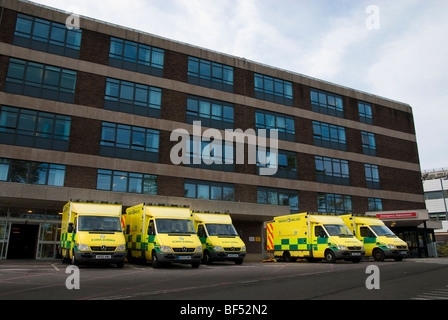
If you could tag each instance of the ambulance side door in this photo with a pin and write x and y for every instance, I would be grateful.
(368, 238)
(202, 234)
(319, 241)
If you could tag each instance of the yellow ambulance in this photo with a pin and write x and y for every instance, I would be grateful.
(162, 234)
(92, 232)
(313, 237)
(220, 241)
(379, 241)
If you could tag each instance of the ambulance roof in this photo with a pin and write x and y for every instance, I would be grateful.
(368, 220)
(167, 212)
(315, 218)
(324, 219)
(96, 209)
(213, 218)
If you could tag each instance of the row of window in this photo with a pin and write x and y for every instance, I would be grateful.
(118, 181)
(31, 128)
(51, 131)
(32, 172)
(55, 38)
(53, 83)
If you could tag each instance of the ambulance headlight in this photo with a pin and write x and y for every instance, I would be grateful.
(121, 247)
(391, 246)
(199, 249)
(166, 249)
(342, 247)
(83, 247)
(243, 248)
(218, 248)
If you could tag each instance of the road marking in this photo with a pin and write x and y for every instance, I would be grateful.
(55, 268)
(436, 294)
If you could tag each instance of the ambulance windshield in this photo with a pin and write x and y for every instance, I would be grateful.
(381, 231)
(174, 226)
(215, 229)
(339, 230)
(99, 223)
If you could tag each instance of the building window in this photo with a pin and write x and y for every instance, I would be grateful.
(329, 136)
(20, 171)
(272, 89)
(35, 129)
(368, 143)
(334, 203)
(132, 98)
(207, 155)
(127, 142)
(269, 120)
(333, 171)
(40, 81)
(206, 190)
(286, 165)
(135, 56)
(327, 103)
(210, 74)
(48, 36)
(372, 176)
(279, 197)
(120, 181)
(211, 113)
(365, 113)
(435, 195)
(375, 204)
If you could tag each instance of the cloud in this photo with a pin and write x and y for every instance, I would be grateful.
(412, 67)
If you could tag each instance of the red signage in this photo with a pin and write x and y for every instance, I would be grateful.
(397, 215)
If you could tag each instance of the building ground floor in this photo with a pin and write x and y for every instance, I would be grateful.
(30, 223)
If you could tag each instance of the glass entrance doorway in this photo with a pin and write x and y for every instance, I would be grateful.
(23, 241)
(36, 240)
(4, 238)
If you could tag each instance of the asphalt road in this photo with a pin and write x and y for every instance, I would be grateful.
(412, 279)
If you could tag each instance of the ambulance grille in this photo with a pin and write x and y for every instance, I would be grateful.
(232, 249)
(183, 250)
(103, 248)
(402, 247)
(354, 248)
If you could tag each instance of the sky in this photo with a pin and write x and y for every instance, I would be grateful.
(395, 49)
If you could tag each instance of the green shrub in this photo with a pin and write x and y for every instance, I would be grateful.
(442, 250)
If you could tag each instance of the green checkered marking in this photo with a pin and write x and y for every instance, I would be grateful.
(139, 242)
(291, 244)
(66, 240)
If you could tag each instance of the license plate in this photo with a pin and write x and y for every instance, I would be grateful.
(184, 257)
(403, 252)
(356, 253)
(232, 255)
(103, 256)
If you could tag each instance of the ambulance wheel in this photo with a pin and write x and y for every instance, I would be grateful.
(379, 255)
(287, 256)
(154, 261)
(239, 261)
(195, 265)
(207, 259)
(74, 261)
(330, 256)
